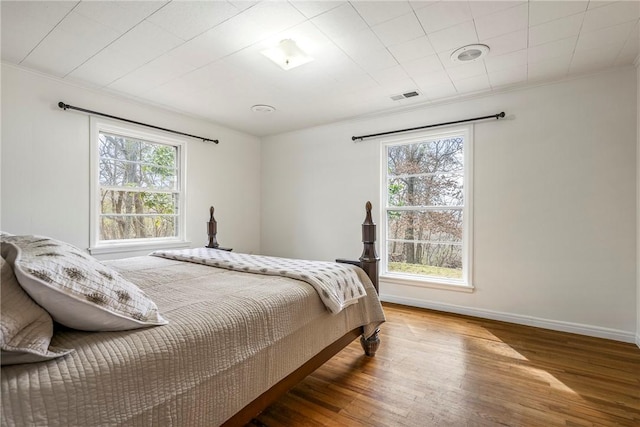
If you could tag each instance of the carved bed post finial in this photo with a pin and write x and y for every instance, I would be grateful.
(369, 260)
(369, 257)
(212, 230)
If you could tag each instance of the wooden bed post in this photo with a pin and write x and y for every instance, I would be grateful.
(369, 258)
(369, 261)
(212, 230)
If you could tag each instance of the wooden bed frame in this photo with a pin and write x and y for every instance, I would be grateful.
(369, 263)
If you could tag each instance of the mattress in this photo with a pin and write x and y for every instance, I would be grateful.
(230, 337)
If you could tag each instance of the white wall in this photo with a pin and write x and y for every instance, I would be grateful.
(638, 209)
(45, 164)
(554, 214)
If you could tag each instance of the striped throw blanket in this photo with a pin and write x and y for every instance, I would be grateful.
(338, 285)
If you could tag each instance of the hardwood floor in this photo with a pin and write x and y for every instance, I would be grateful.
(439, 369)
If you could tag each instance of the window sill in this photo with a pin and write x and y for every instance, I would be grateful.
(134, 247)
(450, 285)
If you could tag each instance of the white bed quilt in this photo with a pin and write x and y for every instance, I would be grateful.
(230, 337)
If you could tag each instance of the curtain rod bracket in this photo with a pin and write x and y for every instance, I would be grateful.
(493, 116)
(65, 107)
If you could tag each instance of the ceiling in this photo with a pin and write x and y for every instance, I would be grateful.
(204, 58)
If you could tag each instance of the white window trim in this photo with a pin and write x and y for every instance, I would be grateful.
(465, 284)
(96, 247)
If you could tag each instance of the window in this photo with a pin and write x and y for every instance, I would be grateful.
(137, 188)
(427, 208)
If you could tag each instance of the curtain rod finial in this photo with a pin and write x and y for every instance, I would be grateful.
(62, 105)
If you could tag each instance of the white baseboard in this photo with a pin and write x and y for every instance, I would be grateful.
(638, 339)
(555, 325)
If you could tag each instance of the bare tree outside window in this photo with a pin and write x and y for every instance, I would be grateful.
(138, 188)
(425, 189)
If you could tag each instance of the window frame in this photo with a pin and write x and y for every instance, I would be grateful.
(466, 282)
(98, 246)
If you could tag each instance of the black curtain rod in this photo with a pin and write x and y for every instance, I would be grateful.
(493, 116)
(67, 107)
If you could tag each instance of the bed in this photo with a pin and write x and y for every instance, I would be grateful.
(226, 343)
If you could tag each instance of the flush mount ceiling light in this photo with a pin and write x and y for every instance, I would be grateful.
(470, 53)
(287, 55)
(261, 108)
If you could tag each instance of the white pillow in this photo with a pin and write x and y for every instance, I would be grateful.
(75, 288)
(25, 328)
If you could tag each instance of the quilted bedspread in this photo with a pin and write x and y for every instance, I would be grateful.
(231, 336)
(338, 285)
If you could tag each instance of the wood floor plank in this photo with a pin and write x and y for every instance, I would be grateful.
(440, 369)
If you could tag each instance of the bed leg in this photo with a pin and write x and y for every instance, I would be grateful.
(370, 345)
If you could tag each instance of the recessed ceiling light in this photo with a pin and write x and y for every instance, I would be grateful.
(287, 55)
(470, 53)
(261, 108)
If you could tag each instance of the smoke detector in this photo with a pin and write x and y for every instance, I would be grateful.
(470, 53)
(262, 108)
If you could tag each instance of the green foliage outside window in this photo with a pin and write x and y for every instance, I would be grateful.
(138, 188)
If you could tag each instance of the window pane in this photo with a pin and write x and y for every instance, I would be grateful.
(116, 173)
(134, 163)
(438, 155)
(140, 203)
(430, 190)
(439, 260)
(434, 226)
(137, 227)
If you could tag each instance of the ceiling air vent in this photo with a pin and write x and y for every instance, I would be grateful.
(404, 95)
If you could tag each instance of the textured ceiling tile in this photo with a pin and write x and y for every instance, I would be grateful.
(119, 15)
(151, 75)
(441, 91)
(105, 67)
(505, 21)
(443, 15)
(315, 8)
(507, 42)
(418, 67)
(375, 60)
(508, 77)
(399, 30)
(376, 12)
(466, 71)
(412, 49)
(187, 19)
(506, 61)
(482, 8)
(146, 42)
(593, 59)
(454, 37)
(616, 35)
(631, 50)
(71, 43)
(548, 69)
(25, 24)
(555, 30)
(387, 75)
(561, 48)
(357, 43)
(472, 84)
(545, 11)
(340, 21)
(611, 14)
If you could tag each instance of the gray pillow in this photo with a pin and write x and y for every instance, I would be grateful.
(25, 328)
(76, 289)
